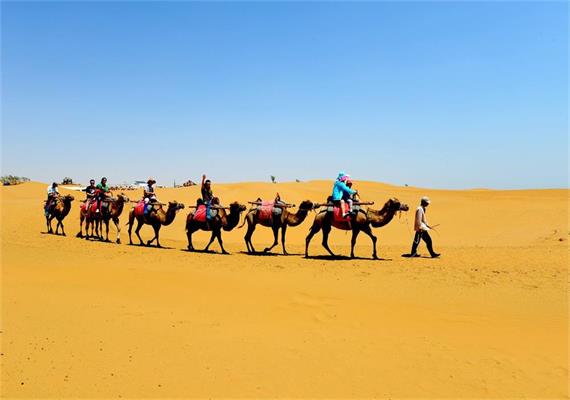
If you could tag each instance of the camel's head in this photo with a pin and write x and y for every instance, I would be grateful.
(237, 207)
(396, 205)
(306, 205)
(123, 197)
(176, 206)
(68, 198)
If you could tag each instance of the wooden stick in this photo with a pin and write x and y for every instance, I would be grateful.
(280, 205)
(360, 203)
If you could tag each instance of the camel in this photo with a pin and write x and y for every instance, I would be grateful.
(225, 221)
(112, 213)
(361, 222)
(287, 219)
(156, 218)
(59, 211)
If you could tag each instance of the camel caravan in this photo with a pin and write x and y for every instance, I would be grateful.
(342, 210)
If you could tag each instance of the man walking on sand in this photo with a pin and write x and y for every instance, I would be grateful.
(421, 227)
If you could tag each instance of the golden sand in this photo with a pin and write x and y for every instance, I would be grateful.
(487, 320)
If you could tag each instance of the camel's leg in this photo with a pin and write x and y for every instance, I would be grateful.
(107, 230)
(81, 219)
(326, 230)
(368, 231)
(212, 237)
(48, 224)
(275, 240)
(283, 230)
(131, 223)
(118, 226)
(137, 230)
(59, 223)
(156, 232)
(219, 236)
(248, 235)
(314, 230)
(355, 233)
(189, 232)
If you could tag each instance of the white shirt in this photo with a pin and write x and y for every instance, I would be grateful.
(421, 222)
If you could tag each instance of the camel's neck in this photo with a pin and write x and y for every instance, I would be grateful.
(232, 220)
(118, 208)
(167, 217)
(297, 218)
(382, 217)
(65, 206)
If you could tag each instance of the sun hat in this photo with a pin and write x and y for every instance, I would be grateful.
(150, 179)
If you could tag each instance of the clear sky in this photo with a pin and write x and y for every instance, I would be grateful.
(432, 94)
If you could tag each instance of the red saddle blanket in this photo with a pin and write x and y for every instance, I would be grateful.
(338, 221)
(139, 208)
(200, 214)
(265, 210)
(92, 207)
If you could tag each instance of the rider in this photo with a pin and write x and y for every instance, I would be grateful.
(149, 196)
(349, 198)
(207, 196)
(102, 192)
(90, 192)
(339, 190)
(52, 195)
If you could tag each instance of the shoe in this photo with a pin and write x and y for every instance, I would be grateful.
(96, 211)
(435, 255)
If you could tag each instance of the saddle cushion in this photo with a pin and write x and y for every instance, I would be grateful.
(92, 207)
(200, 213)
(139, 209)
(338, 221)
(265, 211)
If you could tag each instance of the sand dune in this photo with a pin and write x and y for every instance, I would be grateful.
(489, 319)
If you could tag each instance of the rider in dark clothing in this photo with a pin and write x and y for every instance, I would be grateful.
(90, 192)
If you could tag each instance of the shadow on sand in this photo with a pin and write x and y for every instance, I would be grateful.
(202, 251)
(269, 254)
(345, 258)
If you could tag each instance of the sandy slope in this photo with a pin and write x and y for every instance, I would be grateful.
(488, 319)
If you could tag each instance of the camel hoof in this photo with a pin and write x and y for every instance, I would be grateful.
(225, 252)
(266, 250)
(118, 241)
(63, 234)
(79, 235)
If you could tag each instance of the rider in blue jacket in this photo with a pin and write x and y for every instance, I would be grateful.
(340, 190)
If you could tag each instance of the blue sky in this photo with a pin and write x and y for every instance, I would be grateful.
(432, 94)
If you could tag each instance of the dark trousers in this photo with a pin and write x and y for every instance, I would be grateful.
(426, 238)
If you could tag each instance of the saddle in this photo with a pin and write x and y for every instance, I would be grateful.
(92, 207)
(267, 211)
(139, 209)
(200, 213)
(338, 221)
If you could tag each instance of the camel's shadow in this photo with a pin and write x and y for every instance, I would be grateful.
(268, 254)
(146, 246)
(345, 258)
(52, 233)
(202, 251)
